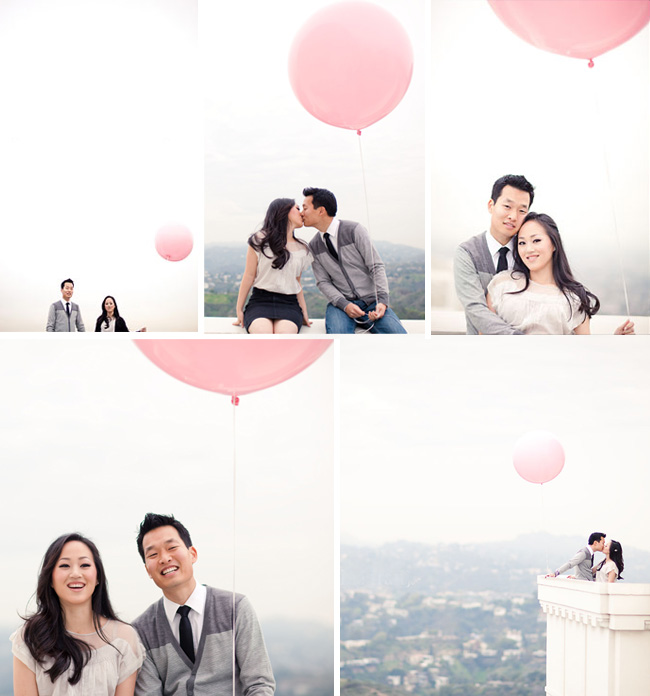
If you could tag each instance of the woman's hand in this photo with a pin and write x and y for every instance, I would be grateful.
(240, 318)
(306, 321)
(625, 329)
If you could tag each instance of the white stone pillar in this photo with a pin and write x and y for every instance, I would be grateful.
(597, 637)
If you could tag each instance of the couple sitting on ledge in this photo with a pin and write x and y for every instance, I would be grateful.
(347, 268)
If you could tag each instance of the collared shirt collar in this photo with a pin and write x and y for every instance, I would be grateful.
(494, 246)
(333, 229)
(195, 601)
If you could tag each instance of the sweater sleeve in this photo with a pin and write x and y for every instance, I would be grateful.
(149, 682)
(325, 285)
(255, 672)
(576, 560)
(51, 318)
(80, 321)
(373, 262)
(472, 296)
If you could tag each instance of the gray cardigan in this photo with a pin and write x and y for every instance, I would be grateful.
(355, 274)
(168, 671)
(58, 320)
(473, 271)
(582, 562)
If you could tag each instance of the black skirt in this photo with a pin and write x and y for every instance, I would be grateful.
(264, 304)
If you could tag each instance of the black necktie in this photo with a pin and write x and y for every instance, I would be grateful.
(185, 633)
(67, 308)
(592, 560)
(503, 263)
(330, 246)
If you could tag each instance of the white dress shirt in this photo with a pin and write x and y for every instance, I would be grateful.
(333, 231)
(196, 602)
(494, 246)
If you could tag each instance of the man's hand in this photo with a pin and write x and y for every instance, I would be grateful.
(353, 311)
(378, 312)
(625, 329)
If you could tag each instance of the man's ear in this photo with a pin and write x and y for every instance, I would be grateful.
(490, 205)
(193, 554)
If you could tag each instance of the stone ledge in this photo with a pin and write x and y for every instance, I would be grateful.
(224, 325)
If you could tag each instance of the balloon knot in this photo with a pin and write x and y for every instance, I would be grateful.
(358, 132)
(235, 400)
(591, 63)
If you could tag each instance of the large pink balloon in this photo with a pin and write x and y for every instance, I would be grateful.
(173, 242)
(351, 64)
(575, 28)
(232, 366)
(538, 457)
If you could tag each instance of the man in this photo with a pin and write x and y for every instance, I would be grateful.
(478, 259)
(188, 633)
(64, 315)
(583, 561)
(348, 270)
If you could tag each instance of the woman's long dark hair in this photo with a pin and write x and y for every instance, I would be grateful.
(589, 303)
(616, 555)
(104, 316)
(274, 232)
(44, 631)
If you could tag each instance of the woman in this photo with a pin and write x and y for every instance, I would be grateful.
(74, 644)
(610, 569)
(275, 261)
(541, 296)
(110, 319)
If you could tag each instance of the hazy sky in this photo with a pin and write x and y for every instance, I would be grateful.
(262, 144)
(580, 135)
(102, 144)
(93, 435)
(428, 433)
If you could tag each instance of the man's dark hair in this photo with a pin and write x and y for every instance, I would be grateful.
(516, 181)
(67, 280)
(152, 521)
(596, 536)
(322, 198)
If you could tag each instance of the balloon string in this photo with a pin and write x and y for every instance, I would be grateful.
(541, 488)
(600, 120)
(234, 523)
(365, 193)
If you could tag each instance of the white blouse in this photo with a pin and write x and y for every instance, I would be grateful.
(111, 325)
(601, 575)
(540, 309)
(106, 668)
(282, 280)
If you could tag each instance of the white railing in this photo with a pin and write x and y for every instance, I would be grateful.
(223, 325)
(453, 322)
(597, 638)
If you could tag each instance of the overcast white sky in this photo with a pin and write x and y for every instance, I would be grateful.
(580, 135)
(428, 433)
(102, 144)
(93, 435)
(261, 144)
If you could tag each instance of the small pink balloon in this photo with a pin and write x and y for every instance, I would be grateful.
(538, 457)
(575, 28)
(174, 242)
(234, 366)
(350, 64)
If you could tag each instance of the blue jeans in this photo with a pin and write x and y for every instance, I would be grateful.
(338, 322)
